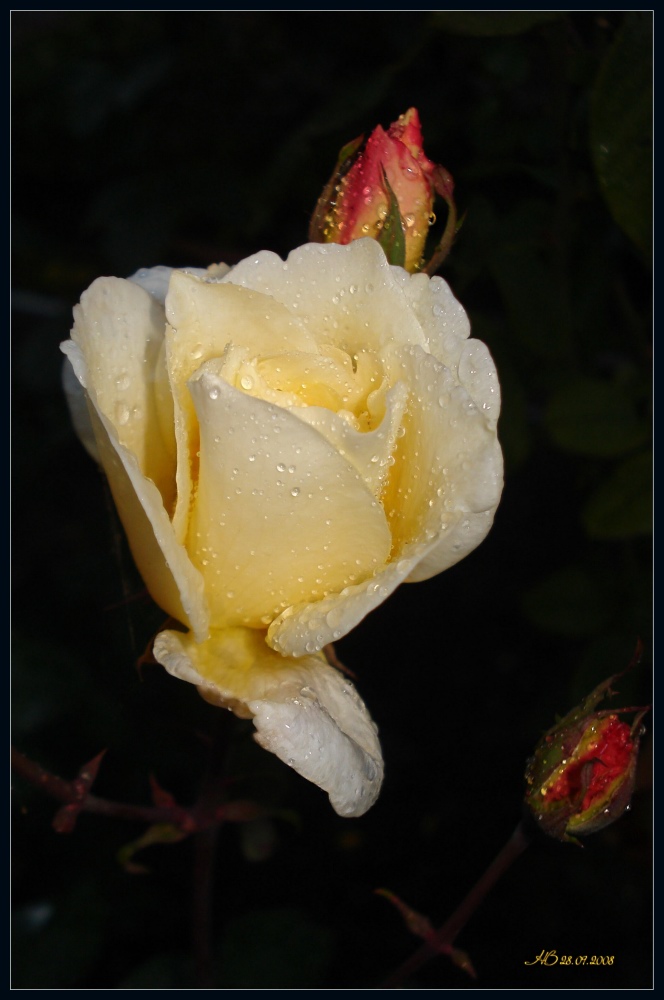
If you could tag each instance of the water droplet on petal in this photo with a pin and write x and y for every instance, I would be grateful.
(121, 413)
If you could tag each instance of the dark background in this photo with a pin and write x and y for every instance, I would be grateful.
(142, 138)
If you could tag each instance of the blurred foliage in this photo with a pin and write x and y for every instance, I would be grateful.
(185, 137)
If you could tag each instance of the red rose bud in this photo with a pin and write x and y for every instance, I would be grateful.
(581, 776)
(386, 191)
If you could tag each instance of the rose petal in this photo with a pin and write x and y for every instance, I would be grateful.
(204, 317)
(116, 336)
(280, 517)
(440, 501)
(119, 329)
(447, 464)
(441, 316)
(305, 712)
(155, 280)
(346, 295)
(368, 451)
(78, 410)
(310, 626)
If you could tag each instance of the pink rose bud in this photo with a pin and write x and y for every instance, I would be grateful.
(581, 777)
(385, 191)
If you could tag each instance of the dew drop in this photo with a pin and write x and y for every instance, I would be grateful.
(121, 413)
(295, 491)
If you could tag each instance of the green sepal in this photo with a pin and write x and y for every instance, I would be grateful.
(345, 160)
(392, 236)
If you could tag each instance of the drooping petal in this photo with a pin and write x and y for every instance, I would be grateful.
(347, 296)
(304, 711)
(280, 516)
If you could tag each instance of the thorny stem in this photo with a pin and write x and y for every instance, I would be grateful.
(203, 820)
(442, 940)
(204, 813)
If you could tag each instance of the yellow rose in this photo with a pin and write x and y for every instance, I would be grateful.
(286, 443)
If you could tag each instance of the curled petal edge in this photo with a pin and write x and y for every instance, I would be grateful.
(304, 711)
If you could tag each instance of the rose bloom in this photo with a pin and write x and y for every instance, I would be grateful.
(285, 444)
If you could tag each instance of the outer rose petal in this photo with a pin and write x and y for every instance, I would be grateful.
(115, 346)
(204, 317)
(78, 410)
(119, 329)
(155, 280)
(440, 500)
(346, 295)
(290, 523)
(305, 712)
(306, 627)
(447, 464)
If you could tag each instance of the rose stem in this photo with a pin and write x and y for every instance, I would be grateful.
(442, 939)
(65, 791)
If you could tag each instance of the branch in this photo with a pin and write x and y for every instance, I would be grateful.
(442, 940)
(76, 798)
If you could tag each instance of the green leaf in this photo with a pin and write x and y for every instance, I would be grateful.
(392, 236)
(621, 128)
(592, 417)
(484, 23)
(622, 506)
